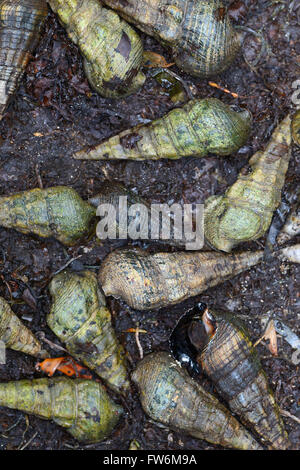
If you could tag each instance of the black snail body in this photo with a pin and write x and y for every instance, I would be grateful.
(226, 355)
(20, 28)
(200, 33)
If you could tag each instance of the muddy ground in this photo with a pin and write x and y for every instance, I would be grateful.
(55, 113)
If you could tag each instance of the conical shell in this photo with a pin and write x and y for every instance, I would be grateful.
(170, 396)
(81, 320)
(81, 406)
(245, 211)
(232, 363)
(141, 221)
(198, 128)
(200, 33)
(20, 28)
(112, 50)
(147, 281)
(57, 212)
(15, 335)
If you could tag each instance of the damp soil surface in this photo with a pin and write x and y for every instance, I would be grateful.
(55, 113)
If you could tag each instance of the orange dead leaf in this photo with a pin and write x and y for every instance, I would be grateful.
(152, 59)
(65, 365)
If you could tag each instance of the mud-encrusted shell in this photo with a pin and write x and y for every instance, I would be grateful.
(200, 33)
(15, 335)
(20, 27)
(81, 406)
(148, 281)
(197, 129)
(112, 50)
(57, 212)
(229, 359)
(170, 396)
(245, 211)
(81, 320)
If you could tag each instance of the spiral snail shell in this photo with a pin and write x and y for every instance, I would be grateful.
(57, 212)
(198, 128)
(226, 355)
(81, 320)
(20, 27)
(146, 281)
(170, 396)
(245, 211)
(112, 50)
(81, 406)
(200, 33)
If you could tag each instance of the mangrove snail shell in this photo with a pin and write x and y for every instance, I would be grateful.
(170, 396)
(81, 406)
(15, 335)
(148, 281)
(198, 128)
(122, 199)
(200, 33)
(296, 127)
(57, 212)
(112, 50)
(80, 318)
(245, 211)
(232, 363)
(21, 22)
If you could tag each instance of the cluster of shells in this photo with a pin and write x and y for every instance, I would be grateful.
(203, 42)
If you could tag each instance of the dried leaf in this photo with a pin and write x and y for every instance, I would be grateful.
(65, 365)
(152, 59)
(271, 336)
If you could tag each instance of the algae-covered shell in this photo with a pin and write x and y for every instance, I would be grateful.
(112, 50)
(170, 396)
(80, 318)
(147, 281)
(20, 27)
(197, 129)
(57, 212)
(81, 406)
(231, 362)
(200, 33)
(245, 211)
(15, 335)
